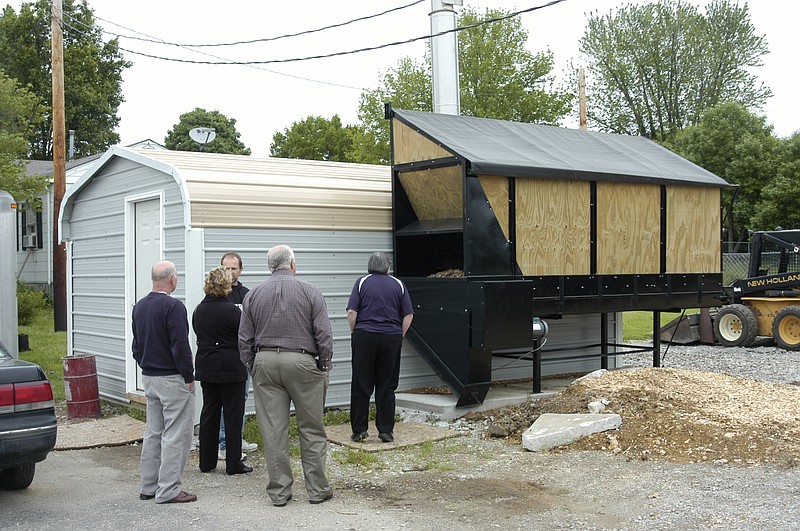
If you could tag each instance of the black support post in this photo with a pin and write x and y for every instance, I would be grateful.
(656, 339)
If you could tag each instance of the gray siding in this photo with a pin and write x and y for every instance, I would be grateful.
(99, 316)
(331, 260)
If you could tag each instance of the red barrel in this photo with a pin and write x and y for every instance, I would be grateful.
(80, 386)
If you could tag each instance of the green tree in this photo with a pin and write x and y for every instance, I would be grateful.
(227, 137)
(738, 146)
(315, 138)
(20, 111)
(779, 206)
(498, 77)
(92, 73)
(655, 68)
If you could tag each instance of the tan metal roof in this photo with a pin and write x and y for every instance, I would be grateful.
(250, 192)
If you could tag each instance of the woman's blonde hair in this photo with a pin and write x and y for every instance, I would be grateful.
(217, 282)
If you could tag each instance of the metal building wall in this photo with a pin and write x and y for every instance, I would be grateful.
(99, 314)
(568, 337)
(331, 260)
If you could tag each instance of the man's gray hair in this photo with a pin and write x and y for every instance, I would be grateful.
(163, 271)
(379, 263)
(280, 257)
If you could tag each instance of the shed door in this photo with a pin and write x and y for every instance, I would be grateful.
(147, 251)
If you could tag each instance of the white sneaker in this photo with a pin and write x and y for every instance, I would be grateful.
(221, 456)
(249, 447)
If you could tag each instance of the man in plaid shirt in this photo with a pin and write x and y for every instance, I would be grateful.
(285, 340)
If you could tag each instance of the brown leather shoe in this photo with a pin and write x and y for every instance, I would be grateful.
(183, 497)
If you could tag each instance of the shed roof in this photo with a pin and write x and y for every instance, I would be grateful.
(497, 147)
(249, 192)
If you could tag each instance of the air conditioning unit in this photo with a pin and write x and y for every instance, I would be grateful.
(29, 241)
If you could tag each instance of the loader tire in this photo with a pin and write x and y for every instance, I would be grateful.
(736, 326)
(786, 328)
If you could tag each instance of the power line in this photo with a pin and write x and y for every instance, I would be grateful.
(257, 67)
(254, 41)
(338, 54)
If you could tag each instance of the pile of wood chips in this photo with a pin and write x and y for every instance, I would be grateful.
(675, 414)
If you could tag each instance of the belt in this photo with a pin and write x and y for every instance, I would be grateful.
(280, 349)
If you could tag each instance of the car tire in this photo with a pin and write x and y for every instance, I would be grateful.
(17, 478)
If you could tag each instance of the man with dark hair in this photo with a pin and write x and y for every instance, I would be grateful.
(379, 313)
(232, 262)
(285, 340)
(161, 348)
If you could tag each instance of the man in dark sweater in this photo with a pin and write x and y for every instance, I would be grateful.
(161, 348)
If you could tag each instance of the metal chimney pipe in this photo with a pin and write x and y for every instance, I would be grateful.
(444, 54)
(72, 144)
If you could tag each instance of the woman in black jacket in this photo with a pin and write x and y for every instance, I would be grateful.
(222, 373)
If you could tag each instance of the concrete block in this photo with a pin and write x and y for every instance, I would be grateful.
(551, 429)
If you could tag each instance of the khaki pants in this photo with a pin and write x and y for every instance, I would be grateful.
(280, 379)
(167, 435)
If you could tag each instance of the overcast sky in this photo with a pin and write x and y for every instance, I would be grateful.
(268, 98)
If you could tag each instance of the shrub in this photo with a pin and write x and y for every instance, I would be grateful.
(29, 303)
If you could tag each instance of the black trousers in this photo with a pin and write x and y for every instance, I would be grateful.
(216, 396)
(376, 367)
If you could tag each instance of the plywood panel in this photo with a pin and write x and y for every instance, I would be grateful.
(410, 146)
(436, 193)
(553, 227)
(693, 230)
(628, 228)
(496, 189)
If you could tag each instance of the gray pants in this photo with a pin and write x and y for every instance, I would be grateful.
(278, 380)
(167, 435)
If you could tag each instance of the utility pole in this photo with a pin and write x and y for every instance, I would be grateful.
(582, 98)
(59, 168)
(444, 55)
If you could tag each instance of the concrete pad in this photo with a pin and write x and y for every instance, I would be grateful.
(444, 406)
(405, 434)
(552, 429)
(112, 431)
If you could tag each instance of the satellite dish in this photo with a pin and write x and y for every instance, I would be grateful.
(202, 135)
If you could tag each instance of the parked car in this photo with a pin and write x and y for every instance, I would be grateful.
(27, 420)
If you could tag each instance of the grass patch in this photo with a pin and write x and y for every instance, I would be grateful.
(430, 456)
(638, 326)
(47, 347)
(360, 458)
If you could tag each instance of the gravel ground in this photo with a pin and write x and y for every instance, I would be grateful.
(764, 361)
(470, 482)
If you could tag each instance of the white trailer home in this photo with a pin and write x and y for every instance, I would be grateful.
(134, 207)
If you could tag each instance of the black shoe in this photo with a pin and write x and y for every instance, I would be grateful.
(283, 504)
(358, 437)
(386, 437)
(143, 496)
(244, 470)
(327, 497)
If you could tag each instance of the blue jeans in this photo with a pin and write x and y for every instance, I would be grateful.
(222, 439)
